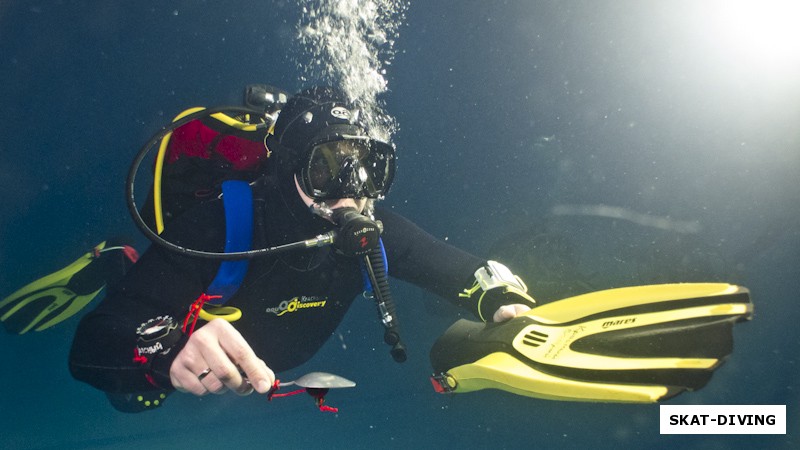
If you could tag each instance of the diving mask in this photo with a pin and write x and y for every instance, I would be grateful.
(349, 166)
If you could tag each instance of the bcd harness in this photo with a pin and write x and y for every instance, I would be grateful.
(209, 142)
(238, 202)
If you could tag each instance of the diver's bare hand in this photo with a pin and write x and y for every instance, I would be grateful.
(218, 346)
(508, 312)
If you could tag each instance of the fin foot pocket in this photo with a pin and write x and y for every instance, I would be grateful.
(60, 295)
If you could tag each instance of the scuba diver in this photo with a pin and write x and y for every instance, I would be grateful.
(324, 175)
(268, 230)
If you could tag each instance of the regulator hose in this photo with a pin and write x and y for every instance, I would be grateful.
(376, 269)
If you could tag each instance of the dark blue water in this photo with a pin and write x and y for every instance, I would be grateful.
(507, 110)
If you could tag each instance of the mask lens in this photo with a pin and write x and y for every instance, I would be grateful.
(379, 165)
(367, 163)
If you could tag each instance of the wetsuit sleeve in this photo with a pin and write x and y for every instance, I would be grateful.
(160, 283)
(423, 260)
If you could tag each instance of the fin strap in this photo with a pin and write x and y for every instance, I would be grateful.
(498, 286)
(467, 293)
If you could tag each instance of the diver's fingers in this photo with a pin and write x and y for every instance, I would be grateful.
(221, 346)
(202, 366)
(185, 380)
(211, 381)
(206, 382)
(258, 375)
(189, 369)
(508, 312)
(211, 362)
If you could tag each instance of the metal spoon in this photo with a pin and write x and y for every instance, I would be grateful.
(319, 380)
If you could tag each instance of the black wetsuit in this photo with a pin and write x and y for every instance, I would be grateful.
(291, 303)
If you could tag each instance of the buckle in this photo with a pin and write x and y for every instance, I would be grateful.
(443, 383)
(494, 275)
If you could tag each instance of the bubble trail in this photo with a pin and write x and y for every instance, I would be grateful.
(350, 43)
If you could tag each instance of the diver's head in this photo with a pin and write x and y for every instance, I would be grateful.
(319, 139)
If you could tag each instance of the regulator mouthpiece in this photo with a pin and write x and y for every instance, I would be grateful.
(356, 234)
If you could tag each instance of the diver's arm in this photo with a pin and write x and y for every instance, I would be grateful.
(418, 257)
(161, 283)
(102, 351)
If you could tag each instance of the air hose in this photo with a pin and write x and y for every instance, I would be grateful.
(376, 269)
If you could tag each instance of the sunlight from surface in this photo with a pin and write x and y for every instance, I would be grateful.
(759, 35)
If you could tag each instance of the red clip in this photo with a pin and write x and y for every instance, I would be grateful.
(194, 312)
(275, 386)
(324, 408)
(137, 358)
(317, 393)
(130, 253)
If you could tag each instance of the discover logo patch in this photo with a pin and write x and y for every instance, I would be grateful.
(298, 303)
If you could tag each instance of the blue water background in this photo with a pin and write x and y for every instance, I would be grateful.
(507, 109)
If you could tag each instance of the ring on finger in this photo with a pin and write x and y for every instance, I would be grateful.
(203, 374)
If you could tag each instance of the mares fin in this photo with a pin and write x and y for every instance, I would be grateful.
(58, 296)
(636, 344)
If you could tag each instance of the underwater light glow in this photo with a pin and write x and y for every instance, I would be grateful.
(759, 34)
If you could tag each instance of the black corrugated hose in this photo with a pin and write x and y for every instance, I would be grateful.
(376, 268)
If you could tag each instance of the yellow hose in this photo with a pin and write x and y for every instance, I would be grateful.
(162, 152)
(159, 169)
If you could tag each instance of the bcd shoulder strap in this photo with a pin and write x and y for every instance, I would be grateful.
(238, 200)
